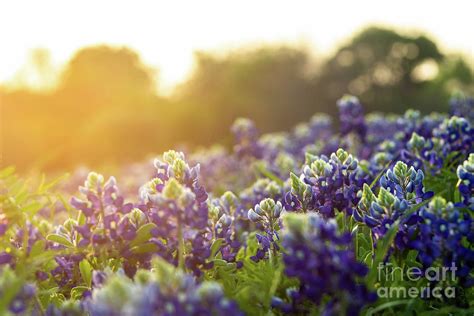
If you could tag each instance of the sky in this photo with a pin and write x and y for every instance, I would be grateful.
(166, 33)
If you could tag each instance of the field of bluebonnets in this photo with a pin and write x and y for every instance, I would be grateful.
(370, 214)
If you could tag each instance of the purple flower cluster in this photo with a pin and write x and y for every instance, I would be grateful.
(107, 226)
(165, 291)
(227, 224)
(445, 238)
(351, 116)
(327, 185)
(465, 174)
(177, 203)
(22, 301)
(247, 139)
(456, 135)
(154, 256)
(462, 106)
(101, 199)
(452, 141)
(324, 263)
(267, 214)
(400, 188)
(311, 136)
(260, 190)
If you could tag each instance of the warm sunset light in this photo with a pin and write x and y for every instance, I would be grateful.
(167, 33)
(267, 158)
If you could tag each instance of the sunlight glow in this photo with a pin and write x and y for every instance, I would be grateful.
(166, 34)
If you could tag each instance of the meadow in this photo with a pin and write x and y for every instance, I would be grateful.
(368, 214)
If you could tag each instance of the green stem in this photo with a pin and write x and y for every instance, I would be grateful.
(270, 255)
(180, 246)
(356, 244)
(40, 306)
(373, 248)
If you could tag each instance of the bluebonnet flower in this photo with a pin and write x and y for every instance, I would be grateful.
(17, 239)
(221, 170)
(456, 135)
(259, 190)
(280, 164)
(400, 188)
(3, 225)
(306, 136)
(21, 302)
(465, 174)
(98, 278)
(462, 106)
(175, 200)
(165, 291)
(327, 185)
(66, 308)
(324, 262)
(66, 271)
(379, 162)
(397, 146)
(380, 128)
(382, 211)
(444, 238)
(227, 221)
(6, 257)
(413, 122)
(101, 198)
(451, 141)
(266, 213)
(247, 139)
(405, 183)
(423, 153)
(351, 117)
(106, 219)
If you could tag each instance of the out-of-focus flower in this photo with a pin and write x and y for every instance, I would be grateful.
(462, 106)
(260, 190)
(465, 174)
(166, 291)
(246, 135)
(323, 261)
(351, 116)
(266, 213)
(445, 235)
(22, 301)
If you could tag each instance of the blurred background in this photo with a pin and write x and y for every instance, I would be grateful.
(109, 82)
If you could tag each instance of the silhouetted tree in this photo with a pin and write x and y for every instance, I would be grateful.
(268, 84)
(385, 70)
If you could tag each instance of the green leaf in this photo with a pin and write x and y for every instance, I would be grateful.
(76, 292)
(383, 245)
(81, 219)
(60, 240)
(144, 248)
(216, 245)
(33, 207)
(37, 248)
(6, 172)
(86, 272)
(380, 174)
(44, 188)
(386, 305)
(143, 234)
(267, 173)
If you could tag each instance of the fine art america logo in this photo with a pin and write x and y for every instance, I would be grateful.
(436, 277)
